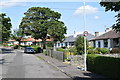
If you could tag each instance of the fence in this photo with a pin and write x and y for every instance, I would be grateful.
(55, 54)
(77, 60)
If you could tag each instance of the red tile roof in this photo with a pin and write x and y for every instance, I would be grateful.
(28, 39)
(108, 35)
(32, 39)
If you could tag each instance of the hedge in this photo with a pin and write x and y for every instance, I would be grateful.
(106, 66)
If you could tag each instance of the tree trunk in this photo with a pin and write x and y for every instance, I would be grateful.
(44, 44)
(19, 42)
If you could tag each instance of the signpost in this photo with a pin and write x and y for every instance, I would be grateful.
(85, 35)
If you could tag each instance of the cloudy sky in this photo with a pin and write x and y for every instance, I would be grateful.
(72, 13)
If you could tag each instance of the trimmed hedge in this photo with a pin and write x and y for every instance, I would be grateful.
(107, 66)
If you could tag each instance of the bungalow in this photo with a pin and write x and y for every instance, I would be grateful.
(27, 41)
(110, 39)
(70, 40)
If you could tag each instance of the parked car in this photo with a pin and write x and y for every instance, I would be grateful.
(29, 50)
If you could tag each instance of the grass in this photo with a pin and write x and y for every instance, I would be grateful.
(40, 58)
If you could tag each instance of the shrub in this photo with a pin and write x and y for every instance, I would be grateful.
(96, 52)
(98, 49)
(104, 51)
(91, 51)
(107, 66)
(39, 50)
(60, 49)
(114, 50)
(89, 48)
(16, 47)
(73, 50)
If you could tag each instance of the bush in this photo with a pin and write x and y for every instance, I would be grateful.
(5, 44)
(61, 49)
(39, 50)
(107, 66)
(16, 46)
(89, 48)
(114, 50)
(73, 49)
(98, 49)
(91, 51)
(104, 51)
(96, 52)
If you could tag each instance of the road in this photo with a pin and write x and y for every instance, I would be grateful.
(17, 64)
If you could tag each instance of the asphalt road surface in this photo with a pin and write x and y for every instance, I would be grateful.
(17, 64)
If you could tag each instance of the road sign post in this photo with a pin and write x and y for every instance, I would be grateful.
(85, 55)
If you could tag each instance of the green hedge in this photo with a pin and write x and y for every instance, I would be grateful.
(107, 66)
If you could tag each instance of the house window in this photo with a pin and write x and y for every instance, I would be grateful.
(58, 44)
(66, 44)
(105, 43)
(94, 44)
(72, 43)
(116, 42)
(99, 44)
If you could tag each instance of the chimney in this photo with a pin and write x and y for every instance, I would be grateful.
(107, 29)
(74, 35)
(96, 34)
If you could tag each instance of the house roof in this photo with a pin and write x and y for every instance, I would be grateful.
(69, 39)
(32, 39)
(89, 37)
(72, 38)
(28, 39)
(108, 35)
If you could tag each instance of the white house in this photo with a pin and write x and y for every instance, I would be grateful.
(110, 39)
(70, 40)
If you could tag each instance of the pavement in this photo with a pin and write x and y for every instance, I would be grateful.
(71, 71)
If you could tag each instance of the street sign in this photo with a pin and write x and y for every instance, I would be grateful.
(85, 33)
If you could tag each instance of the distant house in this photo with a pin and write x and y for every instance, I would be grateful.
(70, 40)
(109, 39)
(27, 41)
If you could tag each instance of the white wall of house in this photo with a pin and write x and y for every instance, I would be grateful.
(101, 44)
(29, 43)
(109, 46)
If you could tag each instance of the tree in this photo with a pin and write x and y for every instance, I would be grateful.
(18, 35)
(37, 21)
(113, 6)
(56, 30)
(5, 27)
(79, 44)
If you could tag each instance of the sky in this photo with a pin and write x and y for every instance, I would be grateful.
(76, 16)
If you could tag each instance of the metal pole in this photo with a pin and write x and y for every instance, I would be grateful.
(85, 67)
(85, 54)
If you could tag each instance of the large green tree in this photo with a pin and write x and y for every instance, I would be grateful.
(5, 27)
(38, 21)
(113, 6)
(18, 35)
(56, 30)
